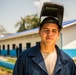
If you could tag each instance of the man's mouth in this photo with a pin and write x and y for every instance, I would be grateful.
(49, 38)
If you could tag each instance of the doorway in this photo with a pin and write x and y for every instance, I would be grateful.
(20, 47)
(8, 49)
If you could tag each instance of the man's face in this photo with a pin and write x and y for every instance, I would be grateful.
(49, 33)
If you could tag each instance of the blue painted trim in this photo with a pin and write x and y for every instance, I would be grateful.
(7, 64)
(68, 22)
(3, 52)
(70, 52)
(12, 52)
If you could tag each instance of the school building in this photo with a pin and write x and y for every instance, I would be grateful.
(29, 38)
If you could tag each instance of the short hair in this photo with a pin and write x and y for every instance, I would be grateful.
(51, 20)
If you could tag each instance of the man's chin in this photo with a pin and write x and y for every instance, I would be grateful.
(49, 43)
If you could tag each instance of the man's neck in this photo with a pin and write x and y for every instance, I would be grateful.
(47, 48)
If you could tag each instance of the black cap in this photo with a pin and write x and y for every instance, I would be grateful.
(49, 20)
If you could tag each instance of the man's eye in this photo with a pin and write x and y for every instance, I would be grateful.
(54, 31)
(46, 30)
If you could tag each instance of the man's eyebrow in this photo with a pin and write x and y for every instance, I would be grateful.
(45, 28)
(48, 28)
(55, 29)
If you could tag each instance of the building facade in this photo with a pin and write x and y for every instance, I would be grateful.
(29, 38)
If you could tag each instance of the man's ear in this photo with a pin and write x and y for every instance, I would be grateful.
(58, 34)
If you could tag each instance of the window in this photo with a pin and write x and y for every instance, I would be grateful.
(8, 49)
(20, 47)
(13, 46)
(37, 43)
(3, 47)
(28, 45)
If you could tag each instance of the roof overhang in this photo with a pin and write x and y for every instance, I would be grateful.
(71, 24)
(25, 33)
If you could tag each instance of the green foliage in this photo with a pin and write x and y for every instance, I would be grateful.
(28, 22)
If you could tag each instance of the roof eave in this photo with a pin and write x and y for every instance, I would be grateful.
(69, 24)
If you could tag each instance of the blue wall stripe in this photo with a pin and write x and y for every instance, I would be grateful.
(70, 52)
(3, 52)
(12, 52)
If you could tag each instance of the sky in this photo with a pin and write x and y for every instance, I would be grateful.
(12, 10)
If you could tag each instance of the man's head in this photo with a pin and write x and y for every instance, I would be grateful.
(51, 20)
(49, 31)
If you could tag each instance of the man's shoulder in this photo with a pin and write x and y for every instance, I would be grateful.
(25, 54)
(66, 56)
(62, 53)
(27, 51)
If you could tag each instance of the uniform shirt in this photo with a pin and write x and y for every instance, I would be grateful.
(50, 61)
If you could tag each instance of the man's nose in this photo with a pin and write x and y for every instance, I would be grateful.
(49, 33)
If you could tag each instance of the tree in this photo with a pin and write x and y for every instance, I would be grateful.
(21, 25)
(2, 30)
(28, 22)
(34, 20)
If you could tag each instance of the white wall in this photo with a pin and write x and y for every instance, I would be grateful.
(23, 39)
(69, 37)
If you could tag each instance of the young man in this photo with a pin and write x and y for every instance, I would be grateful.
(45, 58)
